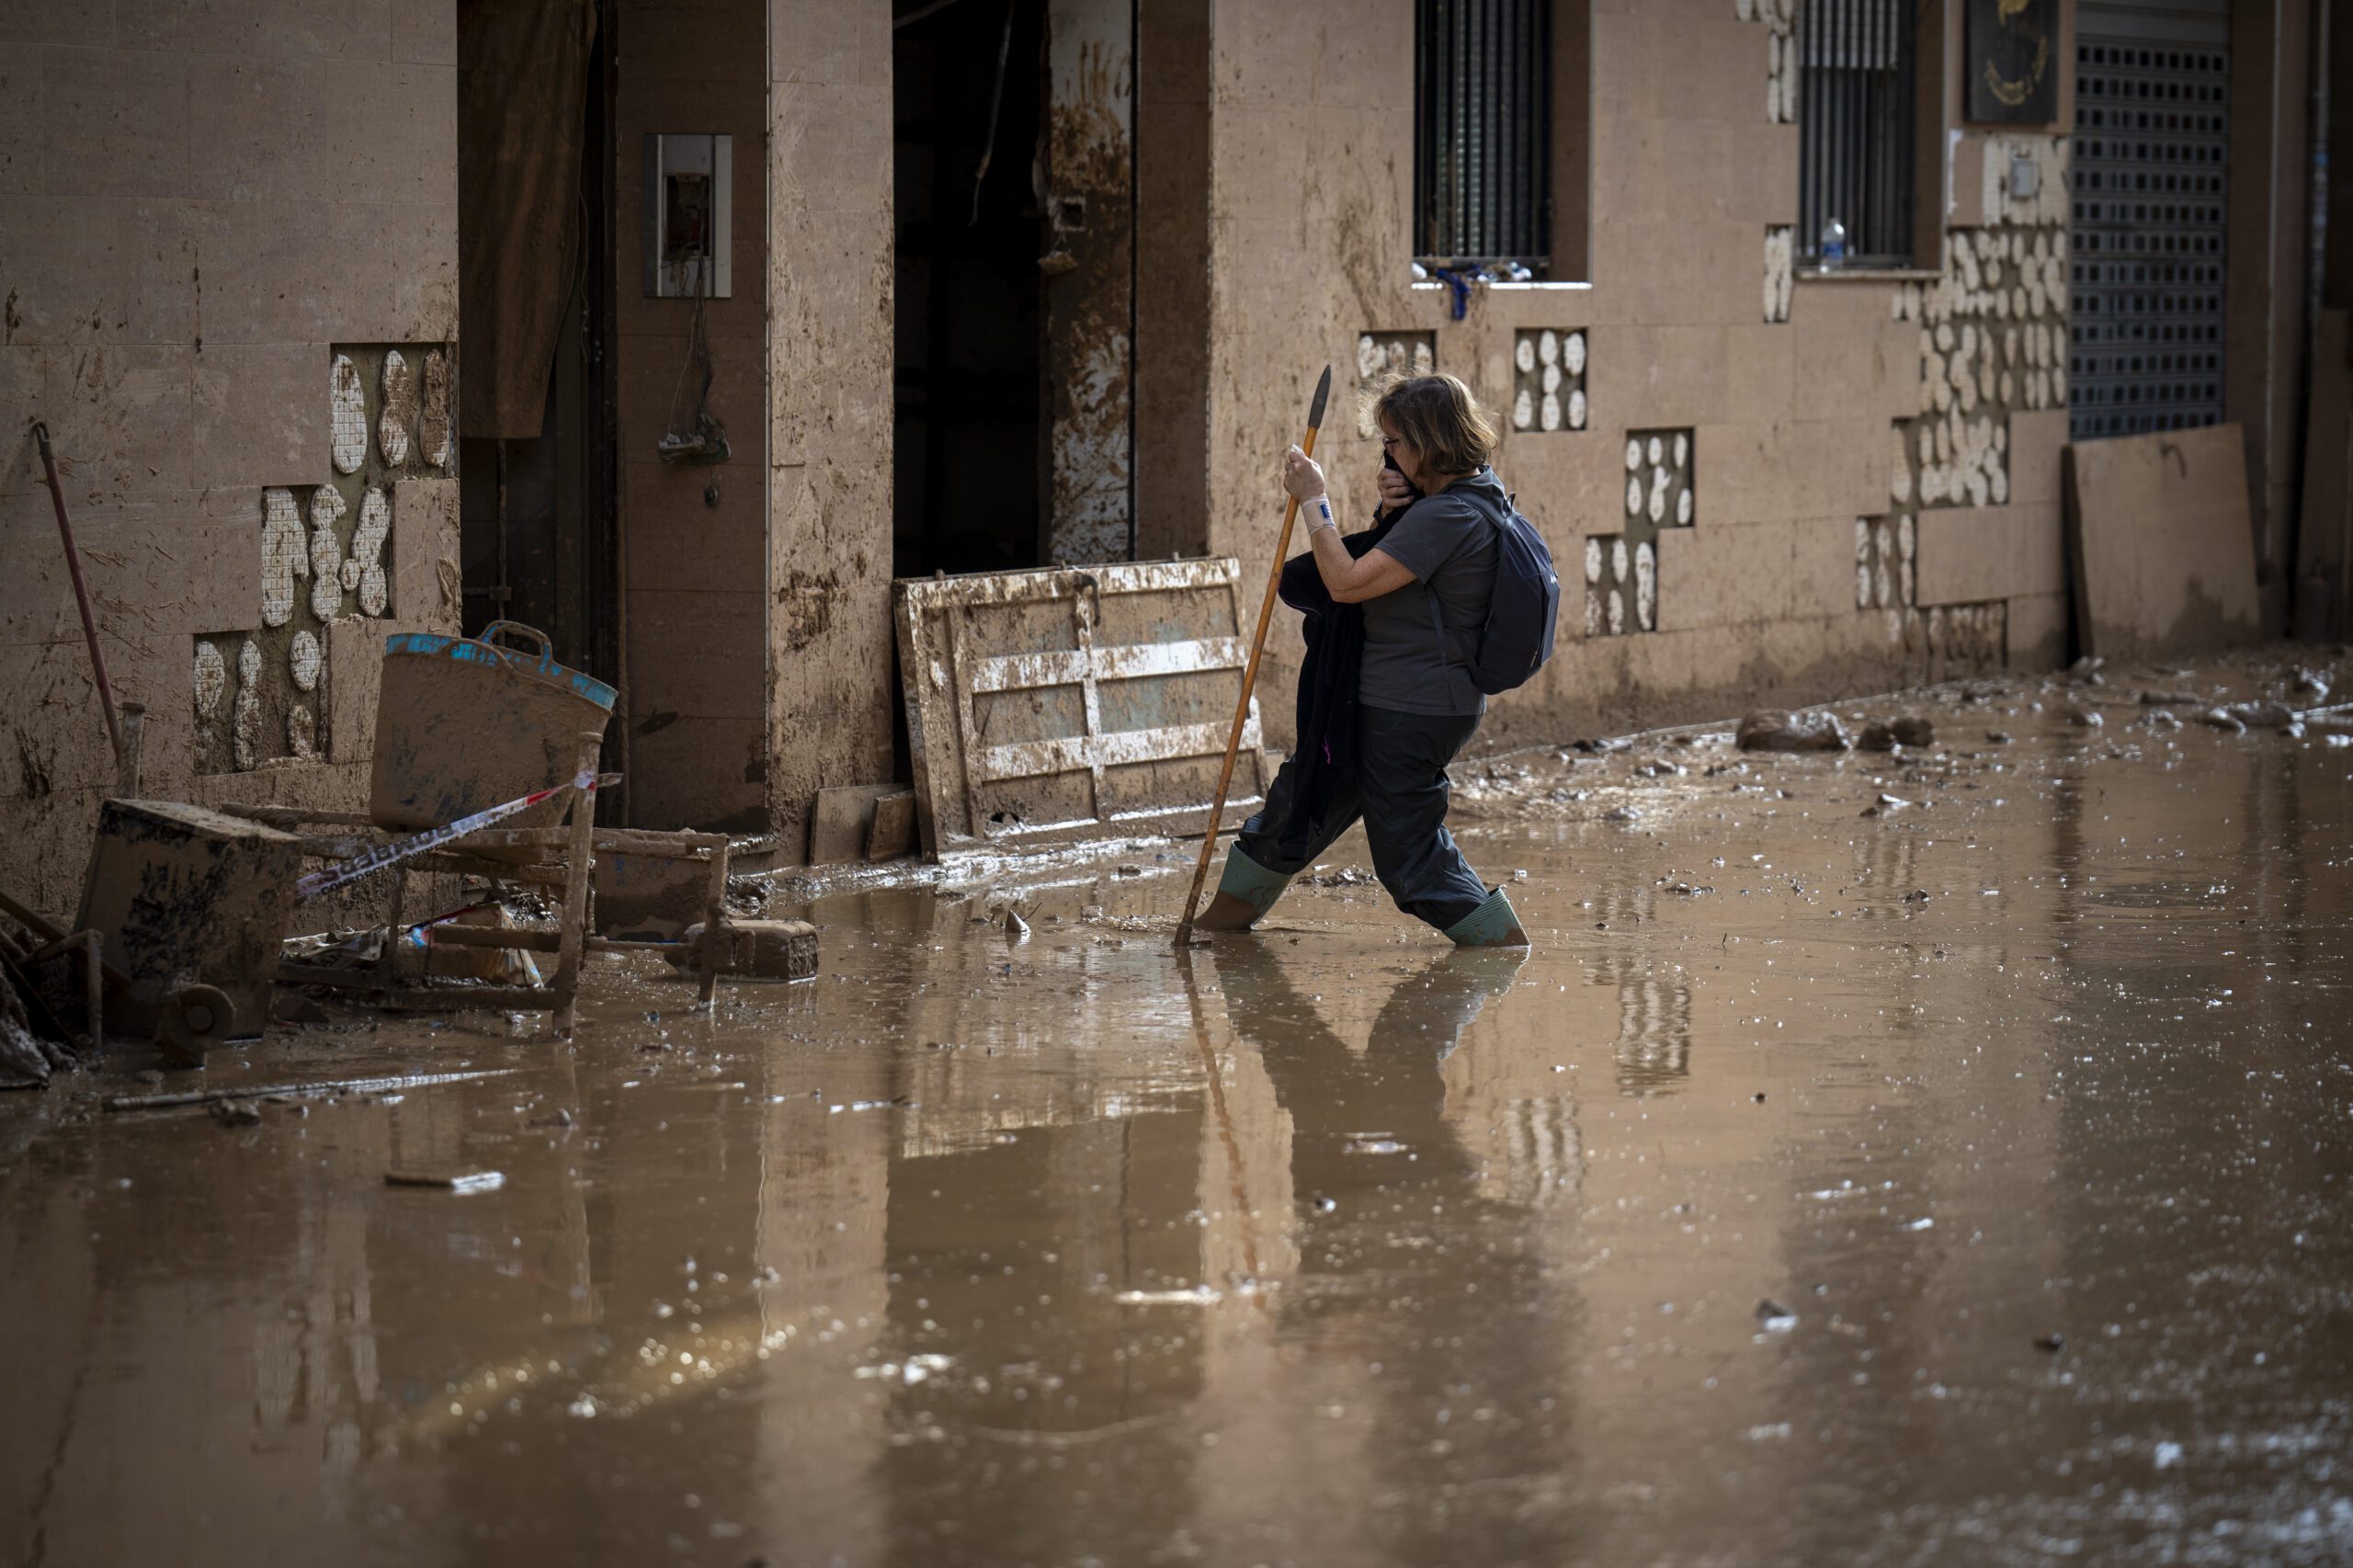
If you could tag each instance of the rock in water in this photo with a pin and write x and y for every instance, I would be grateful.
(1773, 729)
(1913, 730)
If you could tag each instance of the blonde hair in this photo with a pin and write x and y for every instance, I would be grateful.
(1438, 418)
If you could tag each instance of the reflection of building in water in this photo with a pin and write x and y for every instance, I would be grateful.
(1653, 1048)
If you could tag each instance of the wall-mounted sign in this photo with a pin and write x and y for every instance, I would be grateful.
(2014, 62)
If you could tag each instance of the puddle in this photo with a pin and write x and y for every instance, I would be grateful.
(1967, 1179)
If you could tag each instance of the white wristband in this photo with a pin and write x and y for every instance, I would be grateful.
(1319, 513)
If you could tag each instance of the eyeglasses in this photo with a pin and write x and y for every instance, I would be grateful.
(1391, 443)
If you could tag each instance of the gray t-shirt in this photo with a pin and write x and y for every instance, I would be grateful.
(1448, 542)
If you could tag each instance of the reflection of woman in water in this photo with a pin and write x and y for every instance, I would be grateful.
(1429, 1290)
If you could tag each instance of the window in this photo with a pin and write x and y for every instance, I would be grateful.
(1856, 115)
(1482, 133)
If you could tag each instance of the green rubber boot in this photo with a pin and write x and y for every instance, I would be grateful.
(1245, 890)
(1493, 924)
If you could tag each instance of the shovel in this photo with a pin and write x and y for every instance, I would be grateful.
(1250, 671)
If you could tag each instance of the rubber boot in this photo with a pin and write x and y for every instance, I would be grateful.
(1491, 925)
(1245, 890)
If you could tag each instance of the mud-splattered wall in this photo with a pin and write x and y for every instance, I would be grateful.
(830, 347)
(1777, 399)
(694, 539)
(200, 208)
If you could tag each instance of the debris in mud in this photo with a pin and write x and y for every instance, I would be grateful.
(450, 1181)
(2171, 699)
(1345, 877)
(2085, 718)
(2222, 719)
(1906, 729)
(1773, 1317)
(1202, 1295)
(2262, 715)
(2163, 719)
(1887, 805)
(1621, 814)
(2312, 684)
(1774, 728)
(287, 1091)
(1014, 926)
(234, 1113)
(754, 949)
(2054, 1343)
(2085, 671)
(293, 1008)
(1998, 737)
(26, 1059)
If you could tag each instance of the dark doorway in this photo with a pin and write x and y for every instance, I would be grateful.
(537, 517)
(968, 391)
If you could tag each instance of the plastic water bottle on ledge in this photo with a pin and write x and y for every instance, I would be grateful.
(1833, 243)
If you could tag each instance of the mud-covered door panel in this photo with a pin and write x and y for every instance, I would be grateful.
(1046, 706)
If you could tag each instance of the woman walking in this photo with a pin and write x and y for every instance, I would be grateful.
(1386, 697)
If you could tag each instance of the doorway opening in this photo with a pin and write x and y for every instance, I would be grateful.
(969, 91)
(537, 525)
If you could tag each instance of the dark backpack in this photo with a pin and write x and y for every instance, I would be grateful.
(1523, 610)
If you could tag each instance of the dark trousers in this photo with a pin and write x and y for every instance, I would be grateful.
(1400, 792)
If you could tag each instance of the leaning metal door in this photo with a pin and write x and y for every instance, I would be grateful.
(2150, 188)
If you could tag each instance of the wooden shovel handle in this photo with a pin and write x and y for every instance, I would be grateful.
(1241, 708)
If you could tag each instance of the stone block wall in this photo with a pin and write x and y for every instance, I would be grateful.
(206, 214)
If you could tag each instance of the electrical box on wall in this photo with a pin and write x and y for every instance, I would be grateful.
(688, 212)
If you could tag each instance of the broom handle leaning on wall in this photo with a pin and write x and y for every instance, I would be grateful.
(80, 594)
(1250, 671)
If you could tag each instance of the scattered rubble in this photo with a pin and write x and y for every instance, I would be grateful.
(1906, 730)
(1773, 729)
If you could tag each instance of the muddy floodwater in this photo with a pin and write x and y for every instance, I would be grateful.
(1967, 1181)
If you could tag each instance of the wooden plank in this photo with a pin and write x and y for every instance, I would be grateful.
(894, 832)
(1121, 748)
(839, 827)
(1130, 661)
(2325, 538)
(2161, 548)
(1036, 587)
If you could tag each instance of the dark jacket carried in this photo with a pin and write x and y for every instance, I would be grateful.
(1327, 715)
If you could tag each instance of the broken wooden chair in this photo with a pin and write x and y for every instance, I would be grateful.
(558, 859)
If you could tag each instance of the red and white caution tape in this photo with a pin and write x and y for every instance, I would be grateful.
(401, 849)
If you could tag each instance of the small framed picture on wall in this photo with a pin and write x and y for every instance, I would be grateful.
(2013, 57)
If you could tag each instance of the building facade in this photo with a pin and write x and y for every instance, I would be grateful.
(335, 339)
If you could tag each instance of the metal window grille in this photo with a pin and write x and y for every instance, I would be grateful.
(1483, 132)
(2150, 176)
(1854, 128)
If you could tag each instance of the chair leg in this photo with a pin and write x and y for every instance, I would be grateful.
(714, 916)
(94, 989)
(573, 933)
(390, 960)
